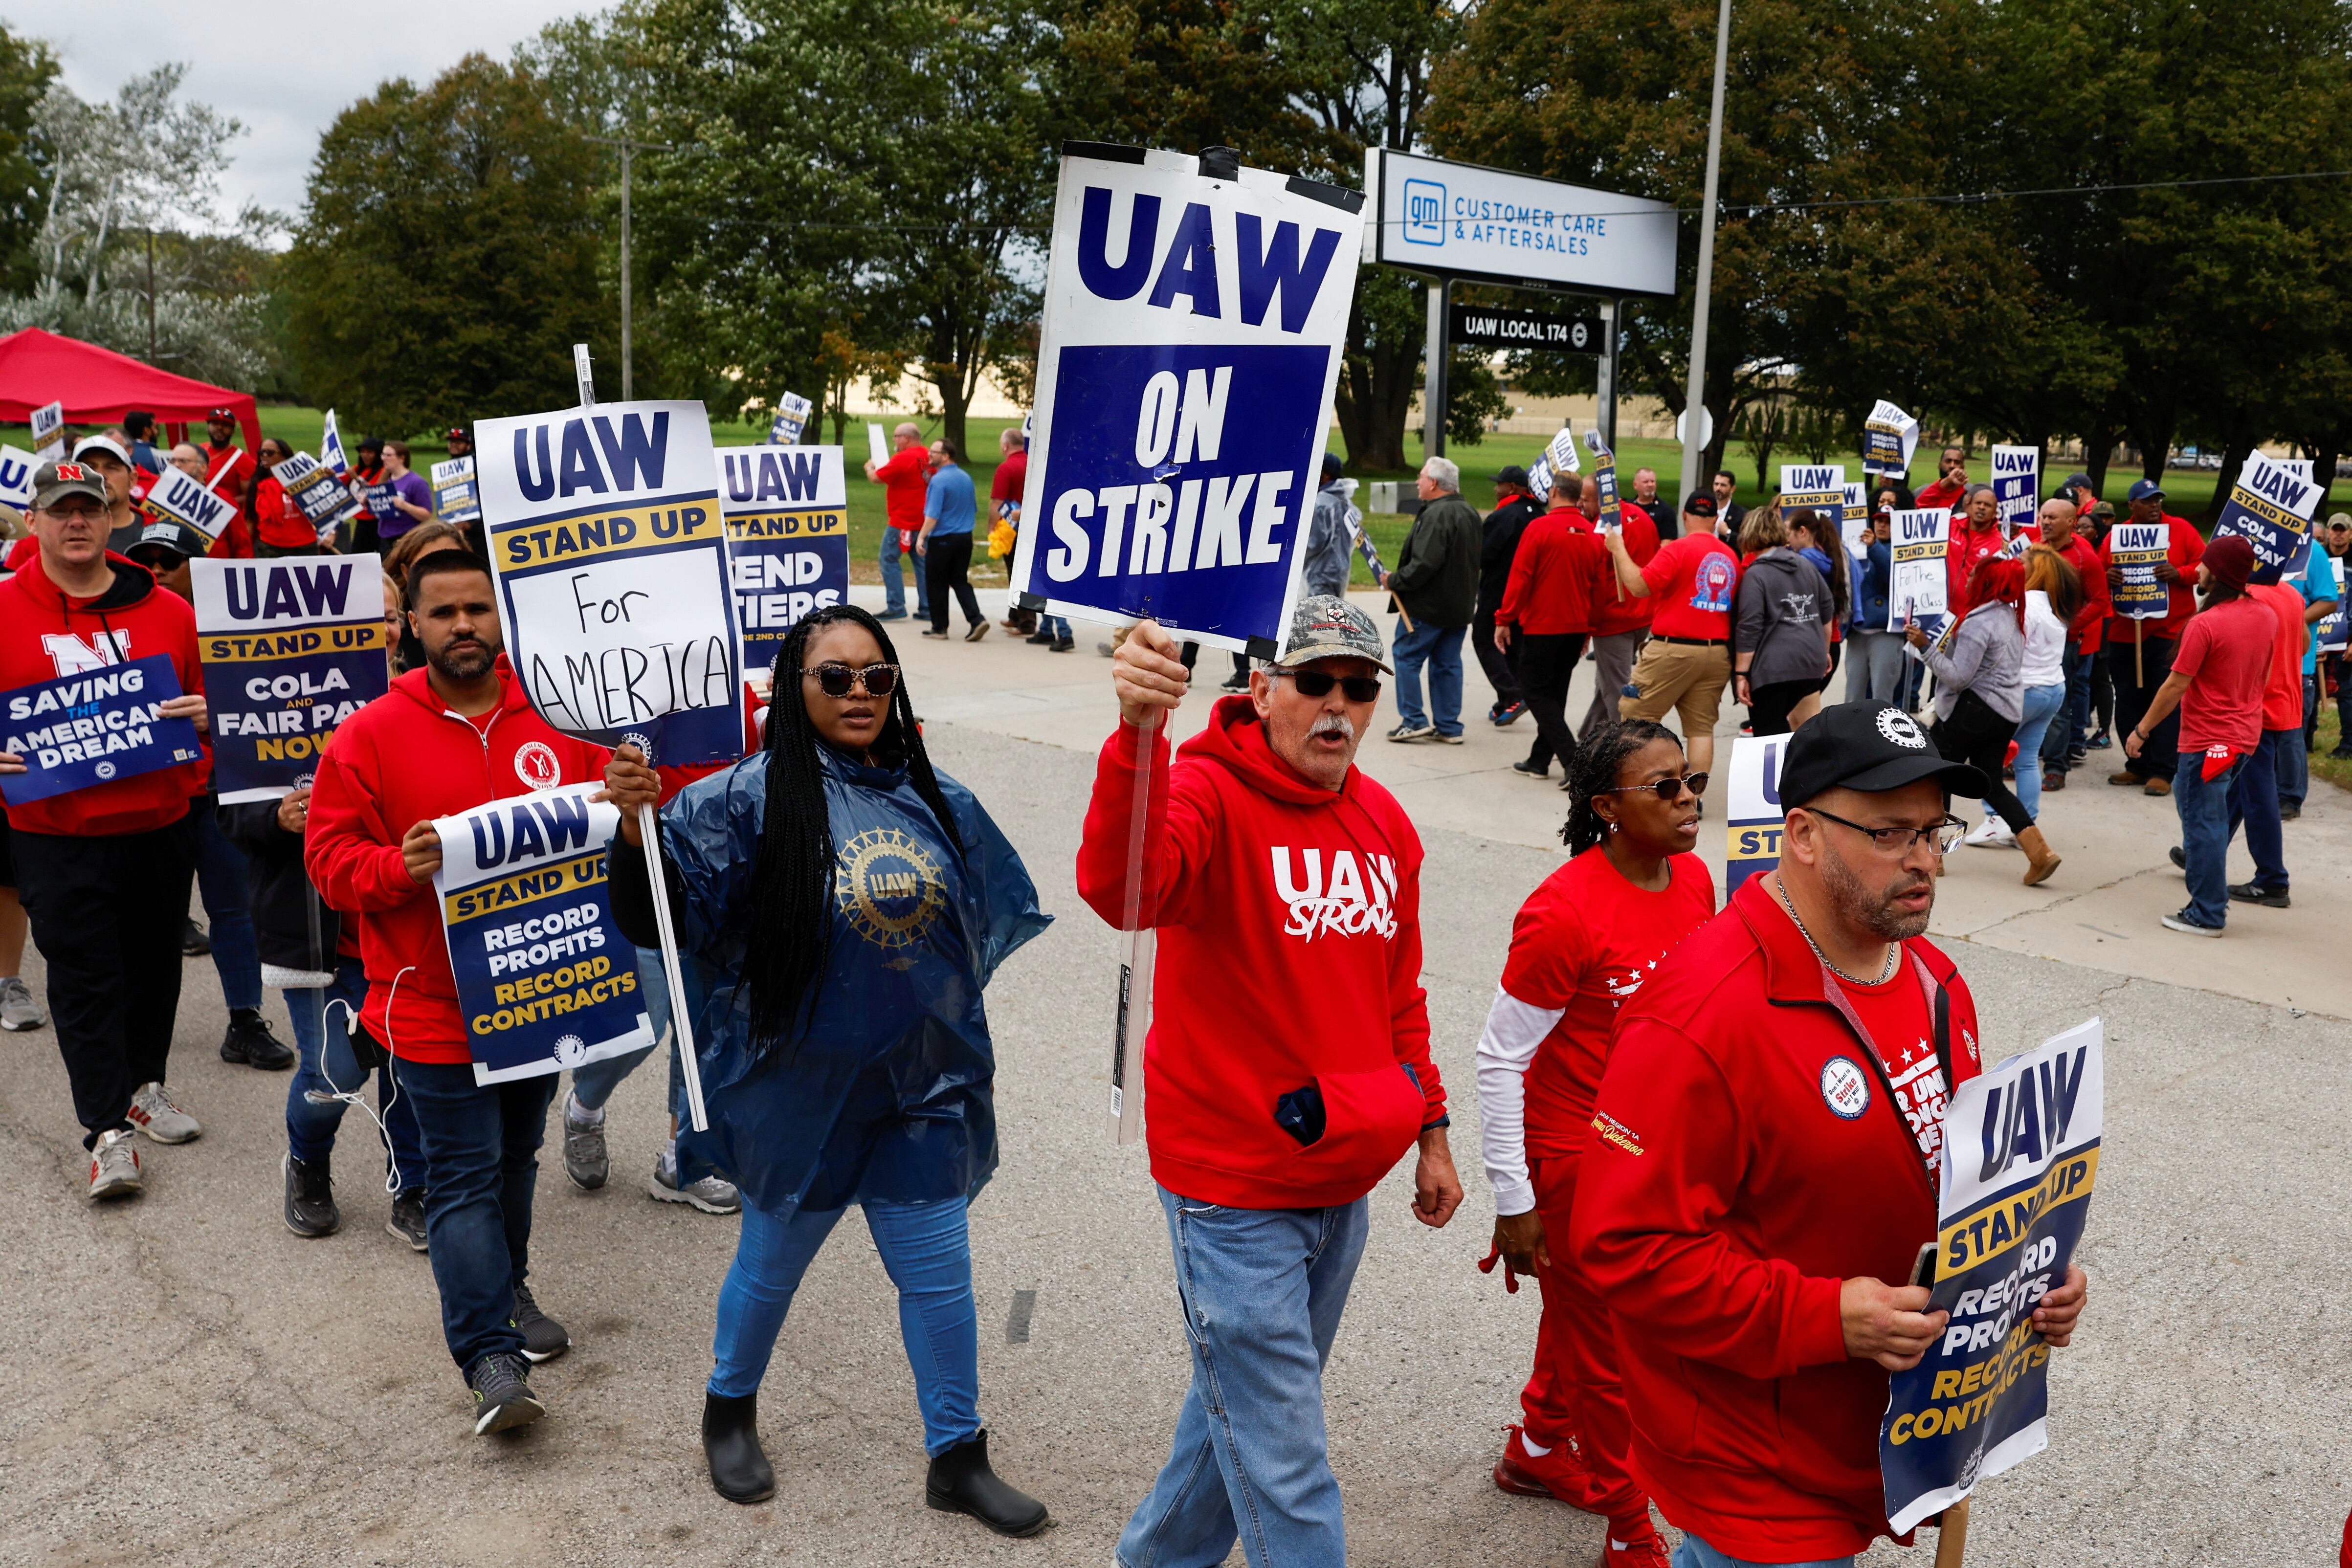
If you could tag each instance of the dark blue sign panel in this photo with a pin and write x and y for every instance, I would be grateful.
(93, 727)
(2271, 508)
(787, 540)
(292, 647)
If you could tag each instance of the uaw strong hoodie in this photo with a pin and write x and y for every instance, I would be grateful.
(1289, 954)
(406, 759)
(45, 635)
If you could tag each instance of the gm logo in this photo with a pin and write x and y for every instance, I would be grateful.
(1424, 212)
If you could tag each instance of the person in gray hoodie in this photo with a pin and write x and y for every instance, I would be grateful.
(1331, 541)
(1779, 633)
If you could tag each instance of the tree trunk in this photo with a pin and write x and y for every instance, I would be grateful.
(2234, 458)
(2323, 469)
(2098, 448)
(1373, 399)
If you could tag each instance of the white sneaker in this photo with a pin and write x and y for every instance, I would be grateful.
(114, 1165)
(18, 1010)
(1993, 833)
(154, 1113)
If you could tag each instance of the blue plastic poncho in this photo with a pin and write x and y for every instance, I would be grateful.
(886, 1092)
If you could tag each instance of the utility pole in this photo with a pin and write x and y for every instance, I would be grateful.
(151, 293)
(628, 147)
(1694, 399)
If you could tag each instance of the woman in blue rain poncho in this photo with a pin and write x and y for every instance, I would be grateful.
(839, 906)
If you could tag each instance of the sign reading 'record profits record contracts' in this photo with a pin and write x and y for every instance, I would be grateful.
(1462, 220)
(787, 537)
(1190, 345)
(291, 647)
(2135, 549)
(457, 495)
(606, 532)
(2021, 1156)
(545, 979)
(93, 726)
(1756, 816)
(2271, 508)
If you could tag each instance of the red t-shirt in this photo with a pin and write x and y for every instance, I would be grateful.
(1557, 570)
(905, 478)
(1691, 580)
(1614, 609)
(2226, 652)
(1011, 475)
(1584, 942)
(2282, 690)
(1896, 1014)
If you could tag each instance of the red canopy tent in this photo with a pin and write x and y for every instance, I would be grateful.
(99, 386)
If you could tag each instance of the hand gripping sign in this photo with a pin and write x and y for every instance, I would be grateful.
(787, 537)
(1193, 321)
(93, 726)
(292, 648)
(323, 499)
(545, 979)
(2021, 1156)
(2271, 508)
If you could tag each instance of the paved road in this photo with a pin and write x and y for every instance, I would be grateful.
(187, 1383)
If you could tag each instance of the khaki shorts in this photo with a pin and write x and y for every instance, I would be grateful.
(1682, 677)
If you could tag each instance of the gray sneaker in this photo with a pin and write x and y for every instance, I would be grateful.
(709, 1194)
(18, 1010)
(584, 1159)
(154, 1113)
(114, 1165)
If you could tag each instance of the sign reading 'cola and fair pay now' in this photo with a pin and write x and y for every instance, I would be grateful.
(292, 648)
(611, 553)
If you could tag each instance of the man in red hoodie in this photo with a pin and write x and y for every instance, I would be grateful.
(1976, 535)
(103, 872)
(1558, 572)
(1288, 1065)
(1766, 1147)
(444, 740)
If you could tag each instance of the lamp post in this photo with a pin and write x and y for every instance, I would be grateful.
(629, 146)
(1694, 399)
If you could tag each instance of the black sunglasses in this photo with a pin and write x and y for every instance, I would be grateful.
(1665, 788)
(1318, 683)
(839, 680)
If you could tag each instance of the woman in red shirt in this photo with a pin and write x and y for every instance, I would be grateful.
(1582, 943)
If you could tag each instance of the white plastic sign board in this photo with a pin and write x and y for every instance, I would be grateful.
(1921, 582)
(49, 431)
(2016, 481)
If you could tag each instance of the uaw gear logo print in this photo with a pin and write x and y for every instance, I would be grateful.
(536, 765)
(889, 886)
(1357, 896)
(1901, 729)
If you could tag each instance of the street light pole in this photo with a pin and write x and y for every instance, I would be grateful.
(628, 146)
(1693, 401)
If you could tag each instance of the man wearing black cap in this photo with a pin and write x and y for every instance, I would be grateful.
(1514, 506)
(1767, 1141)
(227, 471)
(2140, 652)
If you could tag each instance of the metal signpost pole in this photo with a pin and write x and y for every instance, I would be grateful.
(628, 146)
(1605, 377)
(1433, 381)
(1695, 432)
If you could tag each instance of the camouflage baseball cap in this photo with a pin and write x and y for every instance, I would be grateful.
(1325, 626)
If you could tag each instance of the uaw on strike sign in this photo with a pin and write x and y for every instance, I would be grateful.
(611, 554)
(787, 540)
(545, 979)
(292, 648)
(1190, 341)
(2021, 1156)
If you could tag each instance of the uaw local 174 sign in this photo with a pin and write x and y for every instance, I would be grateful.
(611, 554)
(2271, 508)
(184, 499)
(545, 979)
(787, 536)
(1190, 346)
(292, 648)
(2021, 1156)
(1755, 817)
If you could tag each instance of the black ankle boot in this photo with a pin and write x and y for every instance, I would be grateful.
(730, 1441)
(962, 1482)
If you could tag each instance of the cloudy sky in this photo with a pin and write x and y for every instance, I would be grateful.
(284, 68)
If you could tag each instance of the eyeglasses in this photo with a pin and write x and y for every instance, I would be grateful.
(1318, 683)
(839, 680)
(1665, 789)
(1941, 834)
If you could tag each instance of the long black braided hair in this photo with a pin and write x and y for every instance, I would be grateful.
(792, 879)
(1595, 773)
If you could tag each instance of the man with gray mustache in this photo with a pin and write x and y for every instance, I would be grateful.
(1273, 870)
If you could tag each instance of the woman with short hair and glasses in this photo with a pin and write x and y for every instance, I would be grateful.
(1582, 944)
(840, 904)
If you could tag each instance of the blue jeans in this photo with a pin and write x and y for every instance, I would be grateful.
(481, 1163)
(593, 1084)
(894, 584)
(321, 1018)
(1262, 1290)
(926, 1247)
(2254, 800)
(1439, 647)
(2295, 756)
(2070, 728)
(221, 879)
(2204, 807)
(2042, 705)
(1695, 1552)
(1059, 625)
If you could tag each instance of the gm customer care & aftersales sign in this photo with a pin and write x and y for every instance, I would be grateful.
(1463, 220)
(1191, 342)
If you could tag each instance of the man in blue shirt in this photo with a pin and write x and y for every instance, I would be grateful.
(945, 543)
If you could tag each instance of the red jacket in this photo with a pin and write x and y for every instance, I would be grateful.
(1722, 1202)
(2090, 622)
(1614, 609)
(906, 479)
(1289, 920)
(1559, 566)
(44, 635)
(2184, 547)
(406, 758)
(1944, 495)
(1968, 547)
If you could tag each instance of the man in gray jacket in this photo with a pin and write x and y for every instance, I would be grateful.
(1435, 589)
(1330, 542)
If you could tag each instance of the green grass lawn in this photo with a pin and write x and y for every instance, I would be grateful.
(2336, 770)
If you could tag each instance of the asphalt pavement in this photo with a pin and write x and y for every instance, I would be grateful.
(185, 1381)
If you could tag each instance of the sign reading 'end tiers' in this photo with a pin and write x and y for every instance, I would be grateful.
(787, 540)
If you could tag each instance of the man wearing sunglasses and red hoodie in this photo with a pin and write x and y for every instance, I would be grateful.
(1287, 1066)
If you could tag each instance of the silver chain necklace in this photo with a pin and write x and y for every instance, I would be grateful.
(1891, 947)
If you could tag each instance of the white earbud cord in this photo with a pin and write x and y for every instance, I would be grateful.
(353, 1097)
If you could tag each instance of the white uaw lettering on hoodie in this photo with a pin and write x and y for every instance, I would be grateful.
(1359, 896)
(73, 655)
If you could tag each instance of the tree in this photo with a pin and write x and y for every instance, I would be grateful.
(27, 67)
(446, 259)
